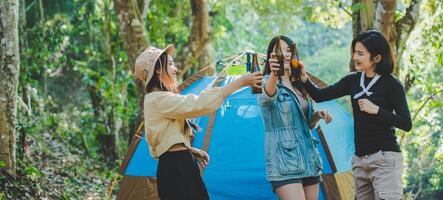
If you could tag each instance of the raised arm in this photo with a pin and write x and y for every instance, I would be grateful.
(269, 84)
(178, 106)
(266, 98)
(336, 90)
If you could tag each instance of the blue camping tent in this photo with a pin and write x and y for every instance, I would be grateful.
(233, 137)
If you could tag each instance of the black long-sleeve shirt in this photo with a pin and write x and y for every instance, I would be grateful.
(373, 132)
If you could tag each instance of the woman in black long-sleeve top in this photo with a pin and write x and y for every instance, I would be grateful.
(378, 104)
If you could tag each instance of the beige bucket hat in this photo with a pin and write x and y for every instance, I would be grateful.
(145, 62)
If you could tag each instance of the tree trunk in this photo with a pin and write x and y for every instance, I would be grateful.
(198, 40)
(132, 29)
(362, 19)
(9, 71)
(384, 17)
(144, 4)
(41, 9)
(379, 15)
(363, 15)
(96, 101)
(20, 134)
(113, 127)
(208, 59)
(403, 28)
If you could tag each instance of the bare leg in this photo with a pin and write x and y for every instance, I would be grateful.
(311, 192)
(292, 191)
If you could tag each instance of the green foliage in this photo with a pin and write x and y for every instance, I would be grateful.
(330, 63)
(424, 144)
(169, 22)
(357, 7)
(2, 163)
(33, 172)
(236, 70)
(62, 55)
(77, 96)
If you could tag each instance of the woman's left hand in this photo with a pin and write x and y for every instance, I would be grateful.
(201, 156)
(323, 114)
(367, 106)
(317, 115)
(304, 74)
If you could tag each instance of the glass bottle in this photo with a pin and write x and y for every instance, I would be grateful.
(255, 68)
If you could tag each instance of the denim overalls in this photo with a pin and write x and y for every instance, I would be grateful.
(290, 149)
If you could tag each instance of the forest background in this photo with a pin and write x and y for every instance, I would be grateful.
(69, 103)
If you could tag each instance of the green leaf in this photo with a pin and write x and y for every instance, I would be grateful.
(357, 6)
(2, 163)
(33, 171)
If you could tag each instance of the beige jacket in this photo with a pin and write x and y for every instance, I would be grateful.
(165, 114)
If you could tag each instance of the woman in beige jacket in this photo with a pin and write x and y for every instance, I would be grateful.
(167, 130)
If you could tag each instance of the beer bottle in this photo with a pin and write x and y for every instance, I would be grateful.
(255, 68)
(295, 65)
(280, 57)
(248, 62)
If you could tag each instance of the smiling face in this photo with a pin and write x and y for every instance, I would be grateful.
(286, 53)
(172, 70)
(165, 77)
(362, 58)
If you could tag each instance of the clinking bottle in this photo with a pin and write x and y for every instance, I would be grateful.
(255, 68)
(295, 64)
(280, 57)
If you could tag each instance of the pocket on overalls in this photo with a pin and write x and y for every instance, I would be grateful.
(289, 158)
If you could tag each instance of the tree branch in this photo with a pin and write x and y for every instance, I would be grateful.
(422, 106)
(145, 8)
(198, 39)
(132, 30)
(384, 17)
(340, 5)
(406, 24)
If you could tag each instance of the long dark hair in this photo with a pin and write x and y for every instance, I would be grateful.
(164, 81)
(376, 43)
(296, 82)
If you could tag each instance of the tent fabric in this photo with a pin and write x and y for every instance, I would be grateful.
(132, 147)
(346, 185)
(329, 187)
(237, 166)
(339, 134)
(138, 187)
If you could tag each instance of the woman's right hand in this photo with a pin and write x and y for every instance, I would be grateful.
(248, 79)
(201, 156)
(303, 74)
(251, 79)
(273, 64)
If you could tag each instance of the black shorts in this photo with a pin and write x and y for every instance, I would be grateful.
(304, 181)
(178, 177)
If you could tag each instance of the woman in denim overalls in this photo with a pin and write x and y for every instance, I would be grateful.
(293, 163)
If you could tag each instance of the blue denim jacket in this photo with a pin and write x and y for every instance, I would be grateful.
(290, 149)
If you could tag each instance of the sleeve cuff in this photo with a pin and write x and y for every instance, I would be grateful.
(268, 95)
(265, 94)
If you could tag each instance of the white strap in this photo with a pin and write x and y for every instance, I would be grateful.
(366, 89)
